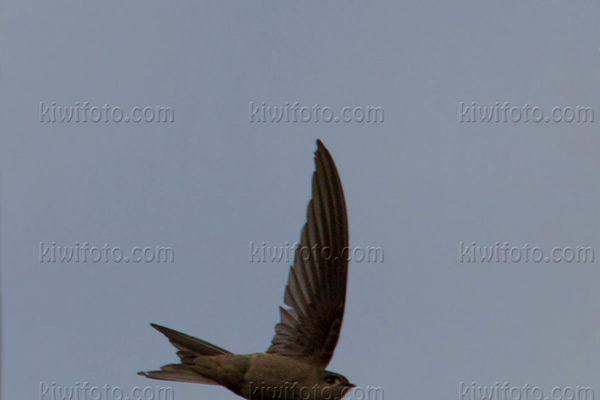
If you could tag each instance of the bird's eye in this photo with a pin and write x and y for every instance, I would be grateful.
(330, 379)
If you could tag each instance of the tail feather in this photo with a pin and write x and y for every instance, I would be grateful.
(189, 348)
(188, 344)
(177, 373)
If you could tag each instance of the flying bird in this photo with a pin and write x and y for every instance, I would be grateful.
(293, 367)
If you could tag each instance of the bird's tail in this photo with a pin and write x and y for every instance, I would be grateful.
(189, 348)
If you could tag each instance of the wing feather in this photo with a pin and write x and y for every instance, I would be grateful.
(316, 288)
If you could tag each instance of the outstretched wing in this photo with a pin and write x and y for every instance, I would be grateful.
(316, 289)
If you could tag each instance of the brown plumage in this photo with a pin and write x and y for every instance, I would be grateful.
(294, 365)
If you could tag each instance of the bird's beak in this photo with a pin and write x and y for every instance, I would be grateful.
(350, 385)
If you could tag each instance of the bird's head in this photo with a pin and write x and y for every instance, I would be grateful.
(333, 386)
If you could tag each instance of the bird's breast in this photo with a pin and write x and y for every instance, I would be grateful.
(271, 376)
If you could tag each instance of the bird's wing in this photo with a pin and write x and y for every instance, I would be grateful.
(316, 288)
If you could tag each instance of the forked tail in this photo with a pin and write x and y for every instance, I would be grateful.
(189, 348)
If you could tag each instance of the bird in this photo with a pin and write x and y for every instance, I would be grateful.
(293, 367)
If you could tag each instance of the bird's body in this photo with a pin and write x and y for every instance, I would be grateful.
(293, 368)
(263, 376)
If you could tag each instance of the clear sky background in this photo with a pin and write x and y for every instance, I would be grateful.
(211, 182)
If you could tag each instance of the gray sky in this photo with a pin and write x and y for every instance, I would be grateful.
(209, 183)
